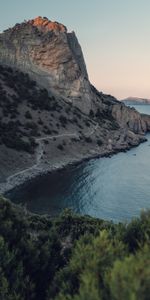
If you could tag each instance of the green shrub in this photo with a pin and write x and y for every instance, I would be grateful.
(130, 278)
(63, 119)
(99, 142)
(88, 139)
(91, 113)
(60, 147)
(28, 115)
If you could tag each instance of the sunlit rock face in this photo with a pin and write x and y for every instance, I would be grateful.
(51, 56)
(45, 25)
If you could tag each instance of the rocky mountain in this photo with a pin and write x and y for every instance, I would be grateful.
(50, 55)
(136, 101)
(50, 114)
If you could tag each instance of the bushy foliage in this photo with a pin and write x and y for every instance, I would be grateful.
(72, 257)
(88, 139)
(130, 278)
(24, 93)
(99, 142)
(60, 147)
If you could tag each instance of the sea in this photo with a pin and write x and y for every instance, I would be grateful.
(116, 188)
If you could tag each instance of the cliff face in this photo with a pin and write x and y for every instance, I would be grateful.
(51, 56)
(129, 117)
(146, 119)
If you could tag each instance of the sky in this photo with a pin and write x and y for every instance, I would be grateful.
(114, 36)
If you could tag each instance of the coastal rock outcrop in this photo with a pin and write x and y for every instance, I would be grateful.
(129, 117)
(51, 56)
(146, 119)
(59, 118)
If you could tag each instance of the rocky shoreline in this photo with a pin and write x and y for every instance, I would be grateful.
(58, 118)
(37, 172)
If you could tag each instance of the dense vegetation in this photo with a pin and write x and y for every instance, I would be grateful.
(72, 257)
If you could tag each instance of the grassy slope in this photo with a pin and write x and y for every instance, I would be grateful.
(27, 112)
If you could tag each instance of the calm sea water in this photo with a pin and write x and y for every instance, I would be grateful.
(115, 188)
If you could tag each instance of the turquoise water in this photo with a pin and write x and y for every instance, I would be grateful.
(115, 188)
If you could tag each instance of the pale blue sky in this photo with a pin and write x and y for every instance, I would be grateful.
(114, 35)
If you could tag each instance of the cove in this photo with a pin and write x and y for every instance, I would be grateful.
(115, 188)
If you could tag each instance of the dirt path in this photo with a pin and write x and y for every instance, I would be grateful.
(40, 150)
(39, 153)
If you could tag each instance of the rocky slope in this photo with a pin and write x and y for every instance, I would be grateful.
(59, 117)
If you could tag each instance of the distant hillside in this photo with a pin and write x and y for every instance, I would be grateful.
(136, 101)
